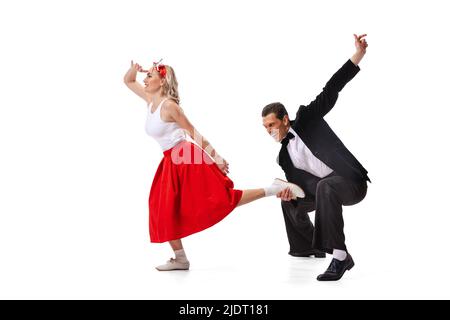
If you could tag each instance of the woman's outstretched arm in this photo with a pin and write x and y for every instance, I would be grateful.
(176, 114)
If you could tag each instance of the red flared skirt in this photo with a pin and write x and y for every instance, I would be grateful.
(189, 194)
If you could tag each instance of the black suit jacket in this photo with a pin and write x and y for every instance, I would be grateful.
(320, 139)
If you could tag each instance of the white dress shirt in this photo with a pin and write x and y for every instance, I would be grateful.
(304, 159)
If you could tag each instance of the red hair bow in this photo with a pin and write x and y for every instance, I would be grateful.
(160, 68)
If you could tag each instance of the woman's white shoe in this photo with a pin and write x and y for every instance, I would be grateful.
(174, 264)
(295, 189)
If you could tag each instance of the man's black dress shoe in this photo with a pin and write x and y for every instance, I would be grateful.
(307, 254)
(337, 269)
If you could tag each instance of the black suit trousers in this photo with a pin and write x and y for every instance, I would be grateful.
(327, 233)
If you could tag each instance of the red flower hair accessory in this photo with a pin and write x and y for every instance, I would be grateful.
(160, 68)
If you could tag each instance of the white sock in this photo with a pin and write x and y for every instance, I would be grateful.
(339, 254)
(180, 255)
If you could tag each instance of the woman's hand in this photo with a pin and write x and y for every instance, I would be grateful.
(137, 67)
(222, 164)
(130, 81)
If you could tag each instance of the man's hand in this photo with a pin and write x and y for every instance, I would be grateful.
(361, 46)
(286, 195)
(361, 43)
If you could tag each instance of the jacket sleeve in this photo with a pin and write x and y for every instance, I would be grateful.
(326, 100)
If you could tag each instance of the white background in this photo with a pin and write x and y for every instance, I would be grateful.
(76, 165)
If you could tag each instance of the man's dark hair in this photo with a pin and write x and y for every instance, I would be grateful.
(277, 108)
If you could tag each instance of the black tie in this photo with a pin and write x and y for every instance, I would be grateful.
(286, 139)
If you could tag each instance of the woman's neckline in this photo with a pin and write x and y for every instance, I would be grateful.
(159, 106)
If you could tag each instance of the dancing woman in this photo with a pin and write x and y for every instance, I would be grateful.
(190, 191)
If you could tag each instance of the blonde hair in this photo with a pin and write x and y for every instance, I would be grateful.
(170, 86)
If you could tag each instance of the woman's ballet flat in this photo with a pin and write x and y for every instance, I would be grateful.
(295, 189)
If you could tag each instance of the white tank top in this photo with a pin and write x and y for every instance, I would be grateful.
(167, 134)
